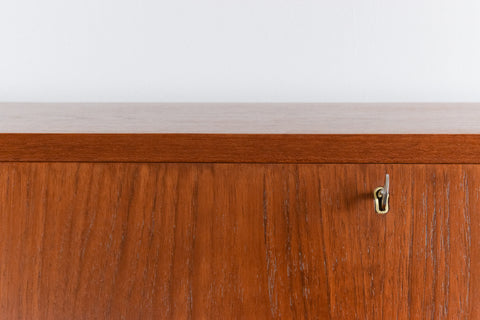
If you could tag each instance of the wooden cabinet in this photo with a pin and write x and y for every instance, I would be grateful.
(99, 226)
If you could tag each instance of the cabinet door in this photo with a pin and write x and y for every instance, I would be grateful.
(150, 241)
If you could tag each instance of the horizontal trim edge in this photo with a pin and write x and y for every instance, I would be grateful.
(242, 148)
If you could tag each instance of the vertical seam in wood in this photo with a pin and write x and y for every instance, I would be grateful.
(469, 242)
(270, 281)
(173, 251)
(150, 239)
(325, 260)
(286, 215)
(447, 260)
(300, 252)
(434, 247)
(114, 220)
(191, 264)
(42, 240)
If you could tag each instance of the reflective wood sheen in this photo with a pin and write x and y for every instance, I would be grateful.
(150, 241)
(232, 118)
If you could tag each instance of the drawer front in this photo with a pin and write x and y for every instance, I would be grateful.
(141, 241)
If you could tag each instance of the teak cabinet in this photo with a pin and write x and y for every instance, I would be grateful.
(250, 226)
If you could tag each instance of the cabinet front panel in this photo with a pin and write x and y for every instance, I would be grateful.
(144, 241)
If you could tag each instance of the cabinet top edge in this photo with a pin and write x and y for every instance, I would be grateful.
(241, 118)
(241, 148)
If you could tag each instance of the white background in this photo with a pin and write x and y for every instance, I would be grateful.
(241, 50)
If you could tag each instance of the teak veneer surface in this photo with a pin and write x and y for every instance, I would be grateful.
(241, 148)
(258, 241)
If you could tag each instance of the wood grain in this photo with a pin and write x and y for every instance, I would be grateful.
(196, 148)
(258, 241)
(247, 118)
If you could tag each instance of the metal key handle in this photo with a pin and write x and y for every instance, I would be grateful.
(381, 195)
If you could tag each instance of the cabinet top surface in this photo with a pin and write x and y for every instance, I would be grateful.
(247, 118)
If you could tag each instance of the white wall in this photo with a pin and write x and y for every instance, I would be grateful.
(240, 50)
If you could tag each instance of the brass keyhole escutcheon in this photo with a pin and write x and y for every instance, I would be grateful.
(381, 200)
(381, 195)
